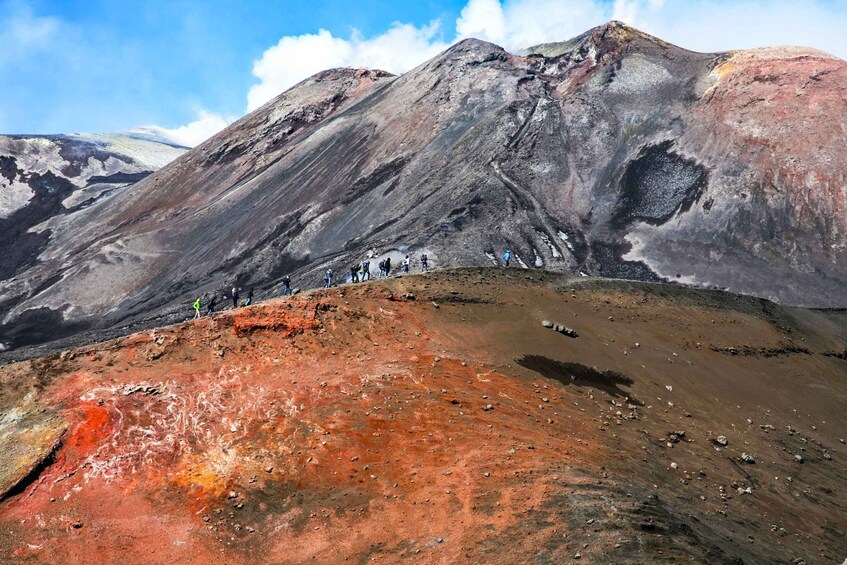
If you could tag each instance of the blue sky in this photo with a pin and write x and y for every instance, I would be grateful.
(98, 66)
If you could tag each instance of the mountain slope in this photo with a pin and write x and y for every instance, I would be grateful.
(438, 419)
(614, 154)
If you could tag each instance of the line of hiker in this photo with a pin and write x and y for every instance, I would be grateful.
(212, 304)
(359, 272)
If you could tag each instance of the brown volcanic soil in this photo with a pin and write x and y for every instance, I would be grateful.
(351, 424)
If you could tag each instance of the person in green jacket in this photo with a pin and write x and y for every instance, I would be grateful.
(197, 307)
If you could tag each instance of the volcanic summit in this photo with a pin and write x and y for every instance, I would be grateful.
(614, 154)
(574, 406)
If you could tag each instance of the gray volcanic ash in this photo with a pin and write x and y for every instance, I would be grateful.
(614, 154)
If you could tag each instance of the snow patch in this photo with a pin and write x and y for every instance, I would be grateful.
(13, 196)
(518, 259)
(553, 249)
(491, 258)
(564, 237)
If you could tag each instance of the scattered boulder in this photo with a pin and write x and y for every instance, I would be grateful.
(721, 440)
(747, 458)
(559, 328)
(798, 458)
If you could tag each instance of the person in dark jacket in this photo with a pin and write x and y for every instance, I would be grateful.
(388, 266)
(234, 295)
(286, 285)
(249, 300)
(212, 303)
(328, 278)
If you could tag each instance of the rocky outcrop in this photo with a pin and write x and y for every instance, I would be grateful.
(614, 154)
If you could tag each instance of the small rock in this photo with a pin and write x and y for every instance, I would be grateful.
(577, 556)
(233, 494)
(747, 458)
(569, 332)
(674, 466)
(77, 525)
(547, 323)
(798, 458)
(269, 469)
(721, 440)
(487, 407)
(486, 474)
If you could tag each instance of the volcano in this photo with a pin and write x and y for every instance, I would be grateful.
(614, 154)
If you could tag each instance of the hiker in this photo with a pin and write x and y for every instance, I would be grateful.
(382, 268)
(249, 300)
(387, 266)
(366, 270)
(507, 256)
(328, 278)
(406, 264)
(211, 307)
(354, 273)
(234, 297)
(424, 264)
(197, 307)
(286, 285)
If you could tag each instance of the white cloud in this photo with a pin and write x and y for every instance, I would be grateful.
(516, 24)
(625, 10)
(205, 126)
(296, 58)
(702, 25)
(722, 25)
(482, 19)
(22, 32)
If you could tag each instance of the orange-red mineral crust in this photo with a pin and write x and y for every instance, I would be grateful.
(435, 418)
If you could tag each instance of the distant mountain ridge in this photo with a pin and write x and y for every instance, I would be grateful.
(614, 154)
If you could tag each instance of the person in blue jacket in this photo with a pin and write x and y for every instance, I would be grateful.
(507, 256)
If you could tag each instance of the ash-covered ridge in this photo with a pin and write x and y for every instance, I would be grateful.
(614, 154)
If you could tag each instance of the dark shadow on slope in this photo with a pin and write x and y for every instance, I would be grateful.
(579, 375)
